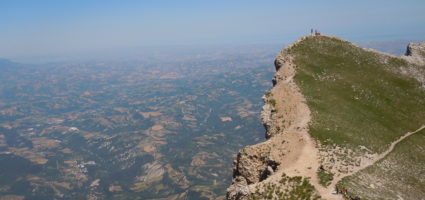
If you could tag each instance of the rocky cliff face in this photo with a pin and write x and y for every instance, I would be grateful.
(415, 52)
(285, 117)
(290, 160)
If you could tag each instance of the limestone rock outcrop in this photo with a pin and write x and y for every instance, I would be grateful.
(285, 117)
(415, 53)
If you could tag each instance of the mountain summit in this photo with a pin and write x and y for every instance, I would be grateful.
(341, 122)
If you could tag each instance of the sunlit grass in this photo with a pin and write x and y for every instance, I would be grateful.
(355, 96)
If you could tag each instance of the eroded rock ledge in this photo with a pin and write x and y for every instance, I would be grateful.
(415, 53)
(285, 116)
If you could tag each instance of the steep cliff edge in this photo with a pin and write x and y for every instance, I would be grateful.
(330, 118)
(289, 150)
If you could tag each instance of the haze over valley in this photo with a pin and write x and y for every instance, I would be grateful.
(205, 100)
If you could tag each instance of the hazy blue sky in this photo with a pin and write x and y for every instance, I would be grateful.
(44, 27)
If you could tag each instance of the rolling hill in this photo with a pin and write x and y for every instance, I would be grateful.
(342, 122)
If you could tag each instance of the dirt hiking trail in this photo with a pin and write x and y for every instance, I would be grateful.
(303, 158)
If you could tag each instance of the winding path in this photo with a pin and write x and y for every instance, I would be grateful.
(377, 158)
(303, 159)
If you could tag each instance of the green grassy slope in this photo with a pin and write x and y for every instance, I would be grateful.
(400, 174)
(362, 98)
(357, 97)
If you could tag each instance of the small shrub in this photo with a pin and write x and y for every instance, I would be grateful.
(325, 177)
(272, 102)
(269, 94)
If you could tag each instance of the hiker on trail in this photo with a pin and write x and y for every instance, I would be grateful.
(337, 188)
(344, 190)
